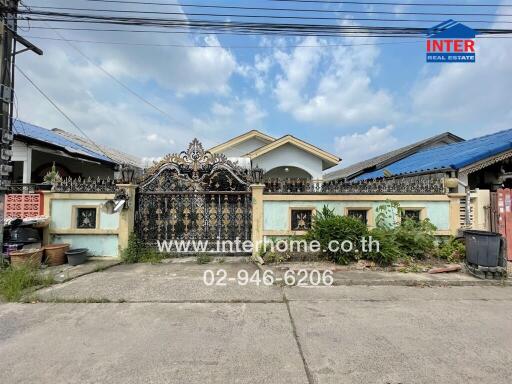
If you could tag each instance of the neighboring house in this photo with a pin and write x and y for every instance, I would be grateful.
(381, 161)
(285, 157)
(483, 162)
(35, 149)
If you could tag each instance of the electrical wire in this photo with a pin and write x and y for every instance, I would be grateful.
(326, 2)
(341, 11)
(222, 46)
(242, 26)
(384, 3)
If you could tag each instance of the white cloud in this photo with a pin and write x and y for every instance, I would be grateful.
(105, 112)
(180, 69)
(221, 109)
(252, 111)
(360, 146)
(108, 113)
(331, 85)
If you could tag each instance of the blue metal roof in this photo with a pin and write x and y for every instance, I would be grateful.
(452, 156)
(35, 132)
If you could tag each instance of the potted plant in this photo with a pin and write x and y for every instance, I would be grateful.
(51, 178)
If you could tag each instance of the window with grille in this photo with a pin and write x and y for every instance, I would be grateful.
(359, 214)
(301, 219)
(411, 214)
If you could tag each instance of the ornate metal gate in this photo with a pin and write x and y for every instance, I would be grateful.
(194, 195)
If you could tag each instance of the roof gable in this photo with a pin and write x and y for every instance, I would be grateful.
(330, 159)
(240, 139)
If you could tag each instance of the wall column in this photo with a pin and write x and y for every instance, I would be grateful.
(27, 167)
(257, 216)
(455, 212)
(127, 216)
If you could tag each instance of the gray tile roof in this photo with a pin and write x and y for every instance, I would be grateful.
(392, 156)
(116, 156)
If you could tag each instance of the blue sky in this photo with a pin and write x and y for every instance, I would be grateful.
(355, 97)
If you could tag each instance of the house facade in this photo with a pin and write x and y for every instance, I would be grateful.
(285, 157)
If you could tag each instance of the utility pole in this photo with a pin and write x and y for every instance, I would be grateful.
(8, 39)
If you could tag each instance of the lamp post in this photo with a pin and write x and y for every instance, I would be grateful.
(257, 174)
(127, 174)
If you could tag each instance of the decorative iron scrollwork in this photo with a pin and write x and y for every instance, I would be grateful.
(85, 185)
(195, 170)
(422, 184)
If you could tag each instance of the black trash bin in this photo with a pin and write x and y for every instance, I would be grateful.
(483, 248)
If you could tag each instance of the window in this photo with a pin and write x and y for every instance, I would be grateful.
(86, 218)
(411, 214)
(359, 214)
(301, 219)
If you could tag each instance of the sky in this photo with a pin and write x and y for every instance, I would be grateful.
(356, 97)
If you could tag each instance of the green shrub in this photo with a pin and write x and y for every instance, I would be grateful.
(416, 239)
(452, 250)
(327, 227)
(388, 250)
(14, 280)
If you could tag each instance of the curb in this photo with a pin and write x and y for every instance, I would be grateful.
(415, 283)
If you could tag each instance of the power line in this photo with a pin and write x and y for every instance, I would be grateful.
(344, 11)
(324, 2)
(382, 3)
(239, 26)
(223, 46)
(210, 32)
(49, 99)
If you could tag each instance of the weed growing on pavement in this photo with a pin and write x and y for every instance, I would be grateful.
(204, 259)
(137, 252)
(14, 280)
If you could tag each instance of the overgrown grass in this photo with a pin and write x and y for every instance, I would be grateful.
(14, 280)
(137, 252)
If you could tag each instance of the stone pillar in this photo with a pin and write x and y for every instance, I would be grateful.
(127, 216)
(257, 216)
(47, 211)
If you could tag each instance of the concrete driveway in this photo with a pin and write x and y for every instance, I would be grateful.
(170, 328)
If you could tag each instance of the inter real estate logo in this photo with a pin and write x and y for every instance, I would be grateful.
(451, 42)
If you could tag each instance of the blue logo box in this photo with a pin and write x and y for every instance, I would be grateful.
(439, 57)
